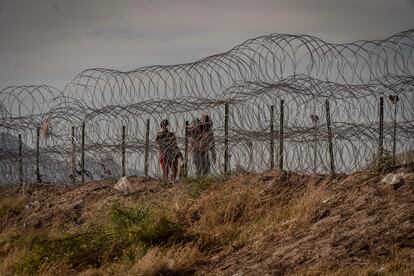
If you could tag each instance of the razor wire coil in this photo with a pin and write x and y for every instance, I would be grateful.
(303, 70)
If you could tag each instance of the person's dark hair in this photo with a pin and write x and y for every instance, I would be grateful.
(164, 123)
(206, 123)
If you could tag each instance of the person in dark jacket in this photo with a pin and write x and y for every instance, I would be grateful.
(169, 151)
(202, 144)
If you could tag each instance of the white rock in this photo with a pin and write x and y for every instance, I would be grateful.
(170, 263)
(123, 185)
(77, 203)
(33, 205)
(393, 178)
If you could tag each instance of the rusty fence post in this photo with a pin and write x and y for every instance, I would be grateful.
(272, 141)
(281, 130)
(226, 138)
(146, 154)
(330, 143)
(123, 150)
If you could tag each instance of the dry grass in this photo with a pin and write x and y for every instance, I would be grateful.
(177, 230)
(176, 260)
(398, 263)
(300, 212)
(297, 214)
(218, 217)
(10, 209)
(8, 261)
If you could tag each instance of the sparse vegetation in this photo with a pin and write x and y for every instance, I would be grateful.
(149, 224)
(176, 260)
(381, 163)
(194, 187)
(79, 251)
(10, 208)
(180, 230)
(396, 264)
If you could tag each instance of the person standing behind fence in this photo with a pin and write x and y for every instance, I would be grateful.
(194, 134)
(202, 144)
(169, 151)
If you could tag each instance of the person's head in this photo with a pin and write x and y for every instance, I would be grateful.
(206, 123)
(194, 123)
(205, 119)
(164, 124)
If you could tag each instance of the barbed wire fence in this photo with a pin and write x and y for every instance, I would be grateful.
(292, 102)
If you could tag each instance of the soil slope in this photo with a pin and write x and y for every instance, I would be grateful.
(272, 223)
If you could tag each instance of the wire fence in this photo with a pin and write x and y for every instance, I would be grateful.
(293, 102)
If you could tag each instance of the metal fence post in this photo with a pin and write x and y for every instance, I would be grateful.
(146, 154)
(272, 141)
(314, 119)
(123, 150)
(282, 105)
(394, 99)
(226, 138)
(186, 150)
(83, 153)
(381, 130)
(38, 178)
(330, 144)
(73, 157)
(20, 160)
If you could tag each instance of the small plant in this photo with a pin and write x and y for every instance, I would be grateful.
(381, 163)
(78, 250)
(195, 187)
(124, 218)
(175, 260)
(10, 209)
(147, 224)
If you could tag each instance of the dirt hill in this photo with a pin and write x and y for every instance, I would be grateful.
(274, 223)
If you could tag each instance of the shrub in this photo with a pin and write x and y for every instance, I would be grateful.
(78, 250)
(381, 163)
(148, 224)
(219, 216)
(195, 187)
(10, 209)
(176, 260)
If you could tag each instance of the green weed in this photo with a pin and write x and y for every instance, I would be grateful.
(195, 187)
(78, 250)
(147, 224)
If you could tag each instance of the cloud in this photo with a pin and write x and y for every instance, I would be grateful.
(50, 41)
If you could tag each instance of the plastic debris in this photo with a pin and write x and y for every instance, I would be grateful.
(33, 205)
(123, 185)
(393, 178)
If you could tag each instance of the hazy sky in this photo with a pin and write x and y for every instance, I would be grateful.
(50, 41)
